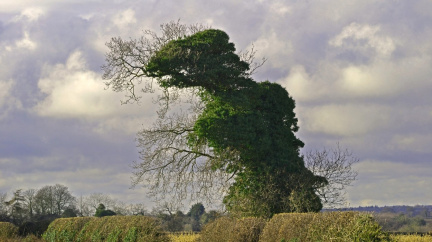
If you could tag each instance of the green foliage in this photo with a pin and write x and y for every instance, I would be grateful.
(402, 223)
(209, 216)
(233, 230)
(196, 211)
(102, 212)
(65, 229)
(204, 59)
(131, 235)
(8, 230)
(256, 120)
(334, 226)
(68, 213)
(36, 228)
(174, 223)
(114, 228)
(122, 228)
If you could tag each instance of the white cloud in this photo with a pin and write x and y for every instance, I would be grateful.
(361, 37)
(271, 44)
(344, 120)
(280, 7)
(22, 44)
(341, 81)
(386, 78)
(302, 86)
(365, 81)
(125, 18)
(73, 91)
(19, 5)
(26, 42)
(31, 14)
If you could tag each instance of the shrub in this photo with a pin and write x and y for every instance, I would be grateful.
(334, 226)
(65, 229)
(287, 226)
(218, 230)
(111, 228)
(248, 229)
(8, 230)
(231, 229)
(122, 228)
(36, 228)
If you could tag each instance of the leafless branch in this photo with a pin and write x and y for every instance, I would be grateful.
(336, 166)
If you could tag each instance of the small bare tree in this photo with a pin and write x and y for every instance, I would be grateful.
(336, 166)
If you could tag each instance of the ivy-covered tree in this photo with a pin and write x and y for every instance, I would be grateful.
(237, 128)
(101, 211)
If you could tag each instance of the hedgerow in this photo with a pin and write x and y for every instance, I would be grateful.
(334, 226)
(233, 230)
(112, 228)
(8, 230)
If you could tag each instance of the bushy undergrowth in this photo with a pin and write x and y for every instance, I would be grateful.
(112, 228)
(335, 226)
(8, 230)
(231, 229)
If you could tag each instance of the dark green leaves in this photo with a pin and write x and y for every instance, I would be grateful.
(256, 120)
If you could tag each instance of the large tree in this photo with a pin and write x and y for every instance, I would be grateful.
(238, 129)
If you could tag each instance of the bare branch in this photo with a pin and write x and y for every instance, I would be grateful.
(125, 62)
(336, 166)
(249, 57)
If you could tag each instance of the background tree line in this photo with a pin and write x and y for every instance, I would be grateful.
(34, 209)
(55, 201)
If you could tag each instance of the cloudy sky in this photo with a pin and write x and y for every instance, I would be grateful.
(359, 70)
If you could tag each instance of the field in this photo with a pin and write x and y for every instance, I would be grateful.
(396, 238)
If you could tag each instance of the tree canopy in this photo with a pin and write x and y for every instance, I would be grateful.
(241, 128)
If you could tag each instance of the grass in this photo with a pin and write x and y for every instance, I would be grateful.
(183, 237)
(411, 238)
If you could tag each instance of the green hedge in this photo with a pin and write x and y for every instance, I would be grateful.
(8, 230)
(112, 228)
(65, 229)
(233, 230)
(328, 226)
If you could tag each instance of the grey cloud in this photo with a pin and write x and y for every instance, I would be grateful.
(295, 36)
